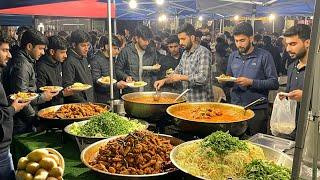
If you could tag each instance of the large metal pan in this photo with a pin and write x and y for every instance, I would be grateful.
(62, 122)
(89, 153)
(149, 112)
(204, 128)
(85, 141)
(271, 154)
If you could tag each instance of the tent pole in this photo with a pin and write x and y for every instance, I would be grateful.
(273, 26)
(110, 53)
(115, 26)
(114, 19)
(310, 91)
(285, 23)
(253, 16)
(213, 30)
(177, 23)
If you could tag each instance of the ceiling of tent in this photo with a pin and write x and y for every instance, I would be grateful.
(148, 9)
(227, 8)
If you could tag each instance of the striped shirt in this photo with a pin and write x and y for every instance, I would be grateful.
(196, 65)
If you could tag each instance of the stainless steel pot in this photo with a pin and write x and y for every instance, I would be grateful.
(149, 112)
(273, 155)
(204, 128)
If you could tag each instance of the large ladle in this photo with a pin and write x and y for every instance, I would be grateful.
(183, 93)
(157, 95)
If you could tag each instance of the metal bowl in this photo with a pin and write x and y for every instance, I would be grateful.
(89, 153)
(85, 141)
(62, 122)
(204, 128)
(149, 112)
(273, 155)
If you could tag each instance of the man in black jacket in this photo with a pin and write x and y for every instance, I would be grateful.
(49, 69)
(298, 42)
(267, 45)
(20, 76)
(132, 58)
(76, 68)
(6, 122)
(169, 63)
(100, 67)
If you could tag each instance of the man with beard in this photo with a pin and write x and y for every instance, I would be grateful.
(298, 42)
(49, 69)
(6, 122)
(170, 62)
(256, 74)
(76, 67)
(194, 69)
(20, 76)
(132, 58)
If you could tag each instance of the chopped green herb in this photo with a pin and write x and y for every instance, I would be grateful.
(265, 170)
(105, 125)
(223, 143)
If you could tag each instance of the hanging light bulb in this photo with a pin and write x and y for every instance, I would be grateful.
(236, 18)
(159, 2)
(133, 4)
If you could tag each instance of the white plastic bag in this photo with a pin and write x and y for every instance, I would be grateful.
(283, 116)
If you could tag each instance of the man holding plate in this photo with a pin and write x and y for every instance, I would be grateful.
(19, 77)
(194, 68)
(132, 59)
(76, 71)
(49, 70)
(6, 114)
(100, 69)
(256, 75)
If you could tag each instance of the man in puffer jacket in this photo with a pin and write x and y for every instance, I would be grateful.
(6, 122)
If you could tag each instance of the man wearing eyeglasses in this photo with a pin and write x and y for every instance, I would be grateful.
(170, 62)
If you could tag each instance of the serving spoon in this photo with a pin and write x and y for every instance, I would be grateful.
(156, 96)
(183, 93)
(256, 102)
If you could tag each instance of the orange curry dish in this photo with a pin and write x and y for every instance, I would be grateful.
(210, 114)
(150, 100)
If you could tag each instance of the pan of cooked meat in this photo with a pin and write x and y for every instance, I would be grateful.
(68, 113)
(138, 155)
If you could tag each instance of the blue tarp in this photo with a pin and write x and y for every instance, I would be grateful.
(148, 9)
(228, 8)
(16, 20)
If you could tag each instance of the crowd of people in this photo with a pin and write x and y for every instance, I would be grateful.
(187, 59)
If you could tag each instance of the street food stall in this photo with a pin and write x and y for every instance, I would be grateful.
(202, 140)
